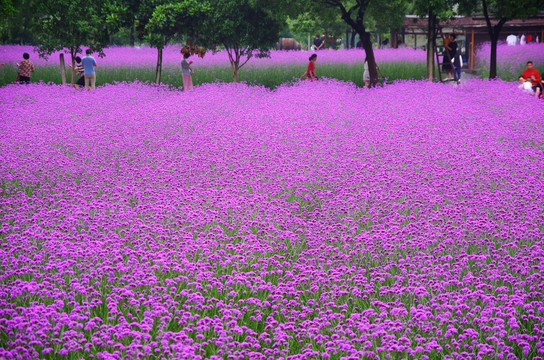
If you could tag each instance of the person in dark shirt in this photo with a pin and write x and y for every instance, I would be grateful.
(449, 54)
(318, 42)
(458, 64)
(80, 71)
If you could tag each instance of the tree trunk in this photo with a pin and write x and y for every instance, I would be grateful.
(62, 69)
(369, 53)
(494, 32)
(73, 56)
(494, 40)
(393, 38)
(235, 63)
(131, 36)
(430, 44)
(493, 58)
(353, 33)
(158, 70)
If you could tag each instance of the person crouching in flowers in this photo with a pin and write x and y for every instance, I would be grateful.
(186, 72)
(311, 69)
(80, 70)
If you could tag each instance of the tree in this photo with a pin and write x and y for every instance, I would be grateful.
(123, 13)
(326, 22)
(361, 16)
(435, 11)
(388, 16)
(169, 19)
(304, 24)
(244, 30)
(70, 25)
(503, 11)
(6, 7)
(18, 21)
(355, 13)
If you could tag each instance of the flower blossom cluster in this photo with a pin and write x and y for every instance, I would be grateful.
(145, 56)
(236, 222)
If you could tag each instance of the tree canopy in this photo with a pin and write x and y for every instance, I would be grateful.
(503, 11)
(62, 25)
(241, 28)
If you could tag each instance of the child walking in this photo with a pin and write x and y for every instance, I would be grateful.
(311, 69)
(186, 72)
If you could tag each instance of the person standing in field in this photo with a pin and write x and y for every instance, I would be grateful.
(531, 74)
(448, 55)
(187, 72)
(89, 63)
(80, 70)
(25, 68)
(458, 64)
(311, 69)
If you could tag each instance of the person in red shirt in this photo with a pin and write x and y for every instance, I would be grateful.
(311, 69)
(531, 74)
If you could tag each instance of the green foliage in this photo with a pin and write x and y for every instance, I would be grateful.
(17, 22)
(311, 23)
(122, 12)
(280, 9)
(355, 14)
(70, 24)
(387, 15)
(169, 19)
(7, 8)
(242, 29)
(512, 9)
(442, 9)
(305, 22)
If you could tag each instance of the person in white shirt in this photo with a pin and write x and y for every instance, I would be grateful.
(525, 85)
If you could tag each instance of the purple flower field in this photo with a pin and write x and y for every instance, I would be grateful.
(147, 57)
(236, 222)
(511, 60)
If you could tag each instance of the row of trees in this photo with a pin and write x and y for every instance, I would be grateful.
(361, 15)
(244, 28)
